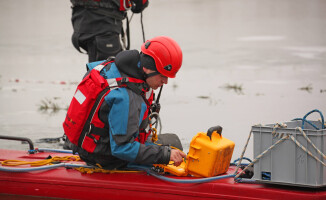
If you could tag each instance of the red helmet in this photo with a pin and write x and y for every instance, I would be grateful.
(166, 53)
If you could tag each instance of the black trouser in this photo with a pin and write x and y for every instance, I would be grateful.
(97, 30)
(103, 47)
(106, 161)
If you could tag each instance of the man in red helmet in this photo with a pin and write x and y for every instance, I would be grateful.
(117, 132)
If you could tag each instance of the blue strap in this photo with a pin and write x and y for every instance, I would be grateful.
(322, 119)
(91, 65)
(300, 119)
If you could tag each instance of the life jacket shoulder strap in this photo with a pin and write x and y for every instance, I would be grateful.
(136, 85)
(103, 64)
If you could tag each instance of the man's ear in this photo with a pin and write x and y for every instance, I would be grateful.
(147, 71)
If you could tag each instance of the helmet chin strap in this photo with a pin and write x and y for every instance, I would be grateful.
(151, 74)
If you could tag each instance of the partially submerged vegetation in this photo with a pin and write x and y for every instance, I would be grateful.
(212, 101)
(50, 105)
(174, 86)
(307, 88)
(203, 97)
(236, 88)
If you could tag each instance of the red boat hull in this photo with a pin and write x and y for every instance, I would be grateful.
(71, 184)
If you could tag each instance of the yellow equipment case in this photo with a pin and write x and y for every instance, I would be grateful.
(209, 154)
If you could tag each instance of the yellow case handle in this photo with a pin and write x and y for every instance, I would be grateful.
(218, 129)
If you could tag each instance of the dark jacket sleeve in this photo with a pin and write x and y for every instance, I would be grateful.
(153, 154)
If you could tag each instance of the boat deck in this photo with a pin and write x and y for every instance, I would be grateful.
(71, 184)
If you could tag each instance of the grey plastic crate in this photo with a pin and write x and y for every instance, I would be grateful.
(287, 163)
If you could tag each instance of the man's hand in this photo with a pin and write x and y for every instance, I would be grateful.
(177, 156)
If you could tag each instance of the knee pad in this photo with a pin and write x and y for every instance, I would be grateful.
(170, 139)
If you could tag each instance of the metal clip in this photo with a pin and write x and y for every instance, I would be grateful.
(89, 130)
(124, 80)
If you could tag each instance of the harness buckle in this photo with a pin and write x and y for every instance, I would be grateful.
(124, 80)
(89, 130)
(89, 135)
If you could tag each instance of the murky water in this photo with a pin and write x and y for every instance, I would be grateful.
(245, 63)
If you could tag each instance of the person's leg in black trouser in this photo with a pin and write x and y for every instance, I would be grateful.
(103, 46)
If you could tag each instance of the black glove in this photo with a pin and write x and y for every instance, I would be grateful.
(138, 5)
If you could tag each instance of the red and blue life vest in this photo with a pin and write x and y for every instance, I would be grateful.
(82, 124)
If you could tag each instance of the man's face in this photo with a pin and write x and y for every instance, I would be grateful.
(156, 81)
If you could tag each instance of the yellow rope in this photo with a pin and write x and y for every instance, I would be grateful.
(154, 135)
(86, 170)
(97, 169)
(40, 162)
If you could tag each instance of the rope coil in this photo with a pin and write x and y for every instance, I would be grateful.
(49, 161)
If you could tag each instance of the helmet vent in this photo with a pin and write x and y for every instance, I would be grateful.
(147, 44)
(168, 68)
